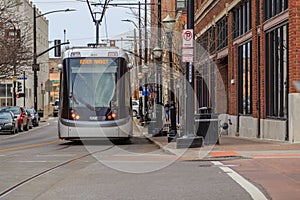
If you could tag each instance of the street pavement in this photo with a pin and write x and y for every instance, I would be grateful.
(272, 165)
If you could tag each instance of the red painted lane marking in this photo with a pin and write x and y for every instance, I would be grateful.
(224, 153)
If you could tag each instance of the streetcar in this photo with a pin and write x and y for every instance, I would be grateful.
(95, 94)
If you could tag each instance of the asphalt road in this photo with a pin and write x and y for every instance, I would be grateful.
(36, 165)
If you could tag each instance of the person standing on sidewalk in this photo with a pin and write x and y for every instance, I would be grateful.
(167, 111)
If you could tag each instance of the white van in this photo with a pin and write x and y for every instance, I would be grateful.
(55, 108)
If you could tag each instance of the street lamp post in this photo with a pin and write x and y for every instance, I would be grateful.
(129, 20)
(35, 65)
(157, 53)
(139, 69)
(169, 24)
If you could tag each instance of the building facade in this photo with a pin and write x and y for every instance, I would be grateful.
(25, 76)
(247, 63)
(251, 44)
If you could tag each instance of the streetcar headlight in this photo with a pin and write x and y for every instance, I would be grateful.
(111, 116)
(74, 115)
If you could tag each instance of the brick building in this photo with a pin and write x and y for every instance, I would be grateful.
(247, 61)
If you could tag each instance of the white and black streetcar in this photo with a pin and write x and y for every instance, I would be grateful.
(95, 95)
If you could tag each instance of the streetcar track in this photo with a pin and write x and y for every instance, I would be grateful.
(22, 183)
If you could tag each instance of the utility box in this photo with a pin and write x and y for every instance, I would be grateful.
(207, 126)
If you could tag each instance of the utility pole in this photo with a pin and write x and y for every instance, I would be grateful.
(24, 87)
(135, 63)
(35, 65)
(190, 107)
(14, 85)
(159, 103)
(145, 63)
(140, 67)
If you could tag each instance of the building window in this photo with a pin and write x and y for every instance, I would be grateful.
(274, 7)
(208, 40)
(211, 40)
(206, 85)
(241, 18)
(222, 25)
(257, 12)
(277, 72)
(245, 78)
(203, 41)
(180, 4)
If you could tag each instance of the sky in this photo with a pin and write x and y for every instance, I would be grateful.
(79, 25)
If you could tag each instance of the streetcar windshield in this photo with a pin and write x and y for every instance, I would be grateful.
(93, 82)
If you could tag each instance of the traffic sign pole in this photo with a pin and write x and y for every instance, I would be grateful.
(189, 139)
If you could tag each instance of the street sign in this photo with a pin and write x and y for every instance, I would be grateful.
(22, 78)
(187, 55)
(35, 67)
(146, 94)
(188, 38)
(48, 86)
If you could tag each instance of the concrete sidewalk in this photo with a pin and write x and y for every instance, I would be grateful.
(272, 165)
(229, 148)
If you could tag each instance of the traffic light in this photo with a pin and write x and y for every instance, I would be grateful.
(57, 49)
(19, 86)
(20, 95)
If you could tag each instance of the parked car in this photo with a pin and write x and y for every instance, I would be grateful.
(135, 107)
(30, 125)
(22, 116)
(8, 122)
(34, 116)
(55, 108)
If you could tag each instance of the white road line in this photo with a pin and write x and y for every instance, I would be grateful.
(255, 193)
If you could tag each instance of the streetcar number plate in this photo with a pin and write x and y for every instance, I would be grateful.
(95, 118)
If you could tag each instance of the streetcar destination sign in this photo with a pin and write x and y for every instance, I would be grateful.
(94, 61)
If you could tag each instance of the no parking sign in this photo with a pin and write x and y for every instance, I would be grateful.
(188, 38)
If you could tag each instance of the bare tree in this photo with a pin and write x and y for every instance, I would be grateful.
(15, 40)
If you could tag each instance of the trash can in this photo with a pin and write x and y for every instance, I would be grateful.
(40, 113)
(207, 126)
(151, 127)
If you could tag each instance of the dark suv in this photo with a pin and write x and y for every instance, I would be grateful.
(21, 114)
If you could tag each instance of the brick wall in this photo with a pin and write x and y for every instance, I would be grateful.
(221, 5)
(262, 64)
(294, 43)
(255, 66)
